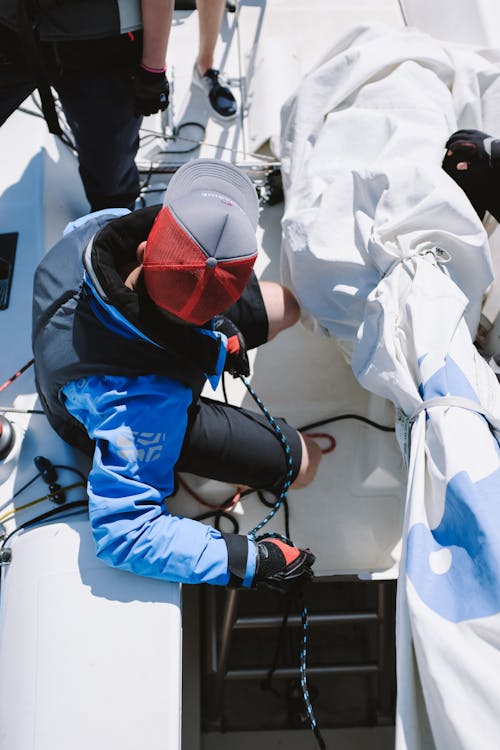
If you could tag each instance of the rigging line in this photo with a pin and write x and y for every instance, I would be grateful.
(21, 489)
(30, 112)
(61, 510)
(271, 160)
(303, 674)
(73, 469)
(11, 513)
(252, 535)
(331, 442)
(218, 515)
(266, 683)
(11, 409)
(288, 456)
(340, 417)
(177, 136)
(64, 136)
(225, 505)
(10, 380)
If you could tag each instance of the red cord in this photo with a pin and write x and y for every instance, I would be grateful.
(228, 505)
(16, 375)
(332, 443)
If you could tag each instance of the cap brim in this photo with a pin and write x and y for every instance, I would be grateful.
(219, 176)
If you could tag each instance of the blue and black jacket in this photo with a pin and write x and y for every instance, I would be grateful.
(117, 380)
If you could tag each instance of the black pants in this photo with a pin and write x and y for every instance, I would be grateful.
(92, 79)
(233, 444)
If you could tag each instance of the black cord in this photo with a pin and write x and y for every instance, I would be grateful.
(39, 474)
(218, 515)
(59, 510)
(341, 417)
(196, 144)
(24, 487)
(224, 390)
(262, 158)
(73, 469)
(63, 137)
(266, 683)
(177, 135)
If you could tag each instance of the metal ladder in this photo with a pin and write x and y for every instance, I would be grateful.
(222, 620)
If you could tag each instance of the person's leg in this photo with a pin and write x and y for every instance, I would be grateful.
(311, 456)
(264, 309)
(210, 14)
(238, 446)
(16, 83)
(205, 76)
(95, 89)
(99, 110)
(282, 308)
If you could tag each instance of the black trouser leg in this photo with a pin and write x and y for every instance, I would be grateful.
(16, 83)
(99, 110)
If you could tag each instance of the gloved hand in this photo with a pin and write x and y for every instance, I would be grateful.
(280, 566)
(474, 145)
(150, 91)
(472, 160)
(236, 357)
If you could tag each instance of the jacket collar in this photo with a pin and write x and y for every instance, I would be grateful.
(132, 310)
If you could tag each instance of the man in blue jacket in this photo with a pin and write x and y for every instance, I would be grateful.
(126, 331)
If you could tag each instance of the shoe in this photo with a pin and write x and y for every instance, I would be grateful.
(220, 97)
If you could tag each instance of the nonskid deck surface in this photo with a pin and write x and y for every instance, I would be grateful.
(351, 516)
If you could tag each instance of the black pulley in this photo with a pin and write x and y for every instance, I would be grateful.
(6, 437)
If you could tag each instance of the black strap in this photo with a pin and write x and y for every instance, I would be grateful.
(34, 60)
(237, 555)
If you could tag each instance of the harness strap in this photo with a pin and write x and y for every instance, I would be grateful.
(36, 65)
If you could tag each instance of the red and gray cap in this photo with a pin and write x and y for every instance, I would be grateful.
(200, 252)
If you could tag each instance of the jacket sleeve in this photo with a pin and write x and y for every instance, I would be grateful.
(139, 426)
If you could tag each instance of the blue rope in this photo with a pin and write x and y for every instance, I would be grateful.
(303, 679)
(288, 456)
(252, 535)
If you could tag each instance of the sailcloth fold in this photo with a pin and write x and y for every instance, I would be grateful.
(386, 254)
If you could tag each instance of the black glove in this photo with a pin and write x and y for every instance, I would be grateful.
(150, 91)
(474, 145)
(281, 567)
(480, 180)
(236, 357)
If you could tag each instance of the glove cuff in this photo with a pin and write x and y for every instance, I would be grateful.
(237, 558)
(153, 70)
(495, 154)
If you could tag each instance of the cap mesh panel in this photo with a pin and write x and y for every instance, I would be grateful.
(178, 279)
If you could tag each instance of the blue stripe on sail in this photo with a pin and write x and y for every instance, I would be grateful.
(449, 380)
(467, 584)
(470, 531)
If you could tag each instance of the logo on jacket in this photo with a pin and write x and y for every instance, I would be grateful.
(144, 447)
